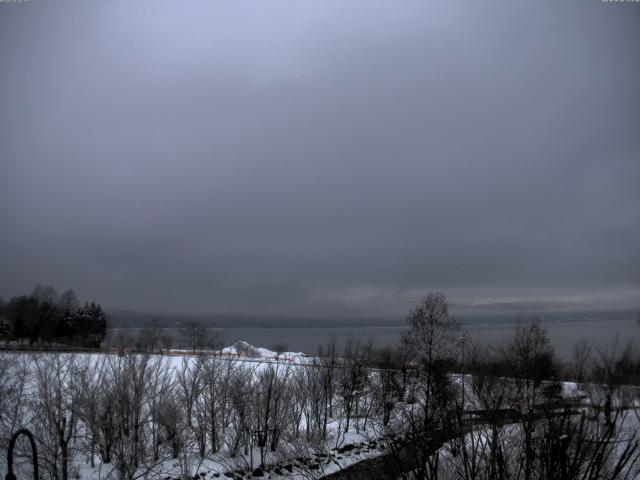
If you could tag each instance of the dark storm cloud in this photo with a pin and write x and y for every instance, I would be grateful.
(321, 158)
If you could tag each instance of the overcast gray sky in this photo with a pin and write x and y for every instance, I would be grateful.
(321, 158)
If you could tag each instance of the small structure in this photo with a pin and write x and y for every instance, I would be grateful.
(34, 454)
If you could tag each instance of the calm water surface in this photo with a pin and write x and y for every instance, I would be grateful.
(603, 332)
(563, 335)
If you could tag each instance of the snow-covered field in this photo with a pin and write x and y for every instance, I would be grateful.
(198, 415)
(245, 412)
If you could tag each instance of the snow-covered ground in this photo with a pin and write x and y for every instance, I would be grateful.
(294, 457)
(259, 374)
(242, 349)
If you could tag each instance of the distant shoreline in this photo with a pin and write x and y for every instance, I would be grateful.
(126, 320)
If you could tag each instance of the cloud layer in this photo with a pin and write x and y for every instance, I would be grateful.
(321, 158)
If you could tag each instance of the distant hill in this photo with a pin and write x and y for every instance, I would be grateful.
(133, 319)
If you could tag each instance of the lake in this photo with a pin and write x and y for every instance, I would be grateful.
(602, 330)
(601, 333)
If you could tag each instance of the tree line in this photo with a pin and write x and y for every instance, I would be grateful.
(45, 317)
(501, 411)
(438, 407)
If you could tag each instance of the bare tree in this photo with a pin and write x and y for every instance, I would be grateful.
(189, 385)
(328, 360)
(432, 332)
(217, 377)
(430, 340)
(387, 381)
(56, 407)
(128, 411)
(160, 386)
(149, 338)
(531, 358)
(242, 387)
(271, 405)
(92, 372)
(15, 391)
(353, 379)
(580, 362)
(168, 416)
(194, 336)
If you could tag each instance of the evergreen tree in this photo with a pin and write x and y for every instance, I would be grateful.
(6, 329)
(45, 316)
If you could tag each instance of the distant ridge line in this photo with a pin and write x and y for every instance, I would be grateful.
(134, 319)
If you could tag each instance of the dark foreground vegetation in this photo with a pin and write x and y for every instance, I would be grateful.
(45, 318)
(438, 407)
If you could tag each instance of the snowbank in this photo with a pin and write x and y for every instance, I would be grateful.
(242, 349)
